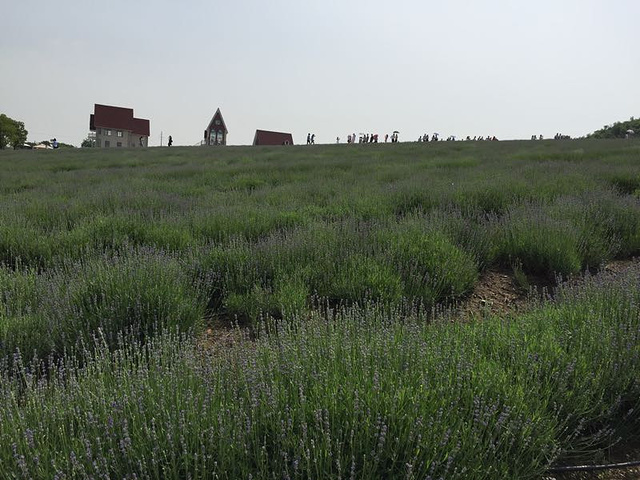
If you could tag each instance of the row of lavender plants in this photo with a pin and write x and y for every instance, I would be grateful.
(417, 260)
(425, 257)
(54, 205)
(358, 392)
(137, 290)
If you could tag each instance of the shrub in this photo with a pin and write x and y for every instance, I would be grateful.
(359, 278)
(432, 268)
(541, 244)
(136, 291)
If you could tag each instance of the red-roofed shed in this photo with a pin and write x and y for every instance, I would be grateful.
(265, 137)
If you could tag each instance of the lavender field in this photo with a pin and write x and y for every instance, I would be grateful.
(338, 265)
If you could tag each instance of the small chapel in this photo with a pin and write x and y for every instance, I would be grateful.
(216, 131)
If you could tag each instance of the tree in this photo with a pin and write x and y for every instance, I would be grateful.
(88, 142)
(12, 132)
(617, 130)
(7, 129)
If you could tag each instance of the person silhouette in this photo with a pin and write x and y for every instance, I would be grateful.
(170, 141)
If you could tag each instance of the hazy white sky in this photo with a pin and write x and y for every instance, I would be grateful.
(508, 68)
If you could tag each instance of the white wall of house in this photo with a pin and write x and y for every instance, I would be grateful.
(114, 138)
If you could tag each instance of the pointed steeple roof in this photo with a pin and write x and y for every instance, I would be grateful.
(218, 116)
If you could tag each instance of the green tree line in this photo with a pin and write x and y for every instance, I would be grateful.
(618, 129)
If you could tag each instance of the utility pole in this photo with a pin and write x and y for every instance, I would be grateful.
(160, 137)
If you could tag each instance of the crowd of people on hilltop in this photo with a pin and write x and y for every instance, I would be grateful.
(393, 138)
(488, 138)
(452, 138)
(369, 138)
(557, 136)
(360, 138)
(435, 137)
(353, 138)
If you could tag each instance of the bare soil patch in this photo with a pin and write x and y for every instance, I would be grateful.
(500, 292)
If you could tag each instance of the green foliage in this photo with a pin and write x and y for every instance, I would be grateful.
(618, 129)
(540, 243)
(276, 228)
(520, 277)
(89, 142)
(135, 291)
(360, 277)
(351, 393)
(334, 255)
(431, 266)
(12, 132)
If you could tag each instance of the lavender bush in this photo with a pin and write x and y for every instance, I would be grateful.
(135, 290)
(363, 394)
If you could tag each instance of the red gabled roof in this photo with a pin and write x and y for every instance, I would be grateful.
(140, 126)
(106, 116)
(219, 116)
(265, 137)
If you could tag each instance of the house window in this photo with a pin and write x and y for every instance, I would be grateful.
(107, 144)
(119, 144)
(107, 132)
(99, 131)
(119, 133)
